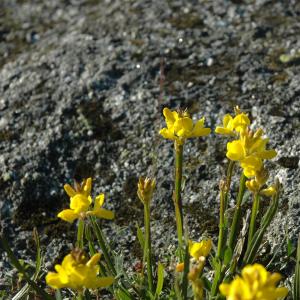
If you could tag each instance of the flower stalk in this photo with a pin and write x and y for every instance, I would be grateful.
(80, 234)
(254, 211)
(177, 195)
(228, 182)
(237, 214)
(147, 248)
(145, 191)
(222, 219)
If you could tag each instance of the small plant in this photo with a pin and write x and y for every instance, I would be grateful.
(227, 270)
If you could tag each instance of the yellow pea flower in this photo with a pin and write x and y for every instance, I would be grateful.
(255, 283)
(80, 202)
(198, 250)
(250, 150)
(232, 126)
(269, 191)
(77, 272)
(180, 126)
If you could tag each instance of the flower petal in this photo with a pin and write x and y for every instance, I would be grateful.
(55, 280)
(99, 200)
(269, 192)
(102, 213)
(80, 203)
(183, 127)
(69, 190)
(223, 131)
(169, 116)
(201, 132)
(267, 154)
(88, 187)
(227, 118)
(235, 150)
(68, 215)
(167, 134)
(94, 260)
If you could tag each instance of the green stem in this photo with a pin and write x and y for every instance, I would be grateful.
(237, 214)
(221, 223)
(177, 195)
(103, 246)
(228, 182)
(255, 207)
(80, 296)
(185, 271)
(147, 248)
(80, 232)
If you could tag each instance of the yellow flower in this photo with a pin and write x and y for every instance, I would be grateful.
(269, 191)
(232, 126)
(250, 150)
(255, 185)
(77, 272)
(146, 188)
(256, 283)
(80, 202)
(180, 126)
(198, 250)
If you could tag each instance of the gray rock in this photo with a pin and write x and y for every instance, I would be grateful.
(80, 96)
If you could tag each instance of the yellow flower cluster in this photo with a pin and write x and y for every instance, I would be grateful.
(249, 149)
(77, 272)
(255, 185)
(180, 126)
(80, 202)
(256, 283)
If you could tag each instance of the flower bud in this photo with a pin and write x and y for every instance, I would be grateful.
(146, 188)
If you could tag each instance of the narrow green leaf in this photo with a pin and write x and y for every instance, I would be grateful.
(227, 256)
(206, 283)
(58, 295)
(103, 245)
(289, 247)
(121, 295)
(15, 262)
(26, 288)
(160, 279)
(255, 243)
(88, 235)
(80, 234)
(150, 296)
(296, 290)
(140, 236)
(177, 288)
(87, 295)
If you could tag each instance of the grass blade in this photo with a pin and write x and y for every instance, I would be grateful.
(297, 273)
(15, 262)
(254, 245)
(160, 280)
(25, 289)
